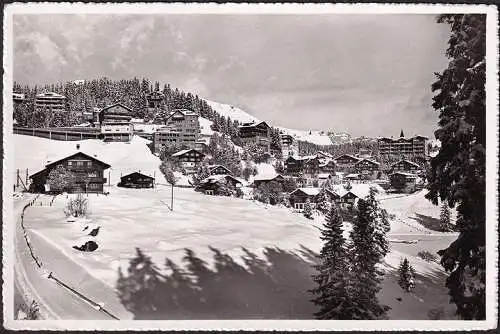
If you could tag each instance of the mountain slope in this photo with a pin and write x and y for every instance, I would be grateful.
(235, 113)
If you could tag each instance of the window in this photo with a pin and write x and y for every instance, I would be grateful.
(79, 163)
(93, 174)
(209, 192)
(70, 163)
(89, 163)
(94, 186)
(299, 206)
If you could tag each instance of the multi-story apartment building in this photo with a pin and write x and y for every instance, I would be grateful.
(18, 98)
(258, 133)
(51, 102)
(403, 147)
(182, 128)
(115, 124)
(289, 145)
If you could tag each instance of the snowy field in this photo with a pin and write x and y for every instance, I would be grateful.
(131, 218)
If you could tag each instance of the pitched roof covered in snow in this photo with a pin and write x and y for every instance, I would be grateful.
(369, 161)
(308, 191)
(219, 178)
(349, 156)
(267, 177)
(407, 162)
(182, 152)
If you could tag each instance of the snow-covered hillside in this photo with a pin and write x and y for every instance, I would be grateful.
(32, 153)
(235, 113)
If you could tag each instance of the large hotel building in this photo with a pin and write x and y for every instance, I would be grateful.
(182, 128)
(403, 147)
(50, 102)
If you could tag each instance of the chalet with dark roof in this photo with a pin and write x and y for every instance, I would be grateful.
(346, 163)
(189, 159)
(218, 184)
(218, 170)
(256, 132)
(403, 182)
(136, 180)
(262, 179)
(83, 172)
(366, 167)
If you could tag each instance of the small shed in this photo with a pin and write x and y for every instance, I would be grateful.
(136, 180)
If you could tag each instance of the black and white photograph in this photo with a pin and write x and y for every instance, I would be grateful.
(250, 166)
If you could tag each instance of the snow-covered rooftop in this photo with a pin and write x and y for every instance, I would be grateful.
(308, 191)
(181, 152)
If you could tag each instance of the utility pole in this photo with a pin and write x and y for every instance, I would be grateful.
(172, 199)
(109, 178)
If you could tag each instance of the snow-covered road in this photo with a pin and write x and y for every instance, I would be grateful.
(55, 301)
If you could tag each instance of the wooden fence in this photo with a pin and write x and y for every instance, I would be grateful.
(64, 134)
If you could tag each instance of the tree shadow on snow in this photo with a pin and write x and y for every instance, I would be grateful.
(273, 287)
(428, 222)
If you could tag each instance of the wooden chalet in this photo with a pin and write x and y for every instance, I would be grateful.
(403, 182)
(346, 163)
(262, 179)
(84, 174)
(406, 166)
(218, 170)
(136, 180)
(302, 165)
(256, 132)
(366, 167)
(115, 123)
(299, 197)
(327, 166)
(213, 184)
(189, 159)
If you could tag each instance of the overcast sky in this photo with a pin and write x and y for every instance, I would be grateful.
(362, 74)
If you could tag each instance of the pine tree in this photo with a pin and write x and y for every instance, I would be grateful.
(445, 218)
(323, 205)
(331, 291)
(60, 179)
(406, 276)
(307, 210)
(365, 254)
(457, 172)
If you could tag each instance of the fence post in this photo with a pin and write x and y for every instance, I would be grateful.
(17, 179)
